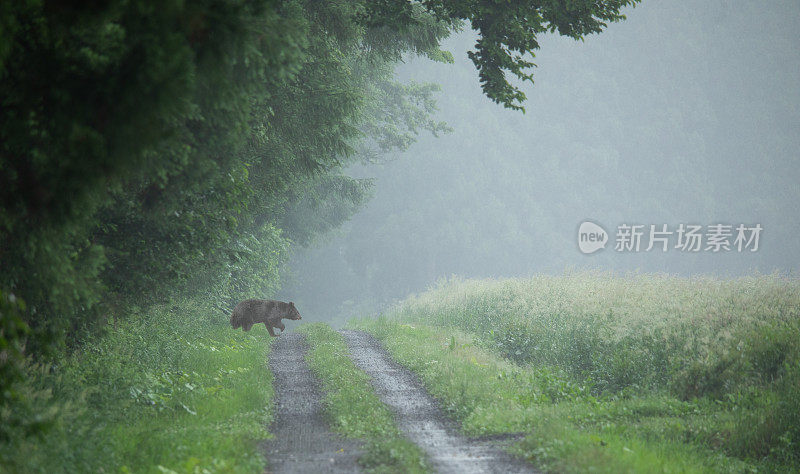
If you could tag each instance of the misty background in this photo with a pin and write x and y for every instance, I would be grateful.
(687, 112)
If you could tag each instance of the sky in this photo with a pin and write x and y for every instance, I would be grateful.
(686, 114)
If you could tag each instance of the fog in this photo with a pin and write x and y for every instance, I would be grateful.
(685, 113)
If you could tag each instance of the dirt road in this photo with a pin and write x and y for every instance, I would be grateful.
(303, 442)
(419, 417)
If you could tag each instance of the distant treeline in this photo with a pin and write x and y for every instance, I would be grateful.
(153, 150)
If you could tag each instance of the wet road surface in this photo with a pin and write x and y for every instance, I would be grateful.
(304, 443)
(420, 418)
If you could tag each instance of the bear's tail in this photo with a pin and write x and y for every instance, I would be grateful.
(236, 320)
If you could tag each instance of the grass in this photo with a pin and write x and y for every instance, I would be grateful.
(353, 408)
(635, 373)
(173, 390)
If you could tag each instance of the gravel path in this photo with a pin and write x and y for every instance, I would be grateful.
(420, 418)
(303, 443)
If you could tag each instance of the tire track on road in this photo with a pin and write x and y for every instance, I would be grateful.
(302, 442)
(420, 418)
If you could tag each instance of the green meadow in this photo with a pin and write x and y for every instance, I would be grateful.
(614, 373)
(598, 372)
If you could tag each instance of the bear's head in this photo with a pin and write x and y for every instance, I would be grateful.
(293, 313)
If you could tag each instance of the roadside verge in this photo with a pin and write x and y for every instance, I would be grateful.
(353, 409)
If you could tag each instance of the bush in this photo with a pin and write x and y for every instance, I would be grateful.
(173, 387)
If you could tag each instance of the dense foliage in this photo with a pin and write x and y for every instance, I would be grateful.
(154, 150)
(148, 148)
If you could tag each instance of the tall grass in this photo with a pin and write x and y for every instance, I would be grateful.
(171, 390)
(733, 342)
(568, 429)
(697, 336)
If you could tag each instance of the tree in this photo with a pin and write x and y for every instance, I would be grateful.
(149, 149)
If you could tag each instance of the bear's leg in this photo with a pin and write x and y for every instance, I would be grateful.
(271, 332)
